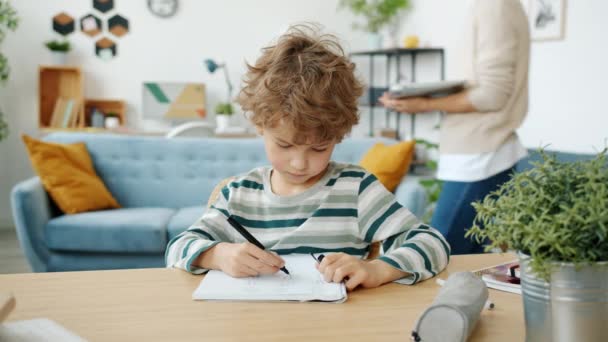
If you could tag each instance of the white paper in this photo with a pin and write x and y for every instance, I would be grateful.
(304, 283)
(35, 330)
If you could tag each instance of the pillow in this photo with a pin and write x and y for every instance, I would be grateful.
(389, 163)
(67, 174)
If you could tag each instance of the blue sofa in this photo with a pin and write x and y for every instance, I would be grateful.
(163, 186)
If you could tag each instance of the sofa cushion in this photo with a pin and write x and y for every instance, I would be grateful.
(183, 219)
(389, 163)
(133, 230)
(67, 173)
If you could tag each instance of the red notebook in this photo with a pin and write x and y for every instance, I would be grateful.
(503, 277)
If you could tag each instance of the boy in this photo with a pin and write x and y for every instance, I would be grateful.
(302, 95)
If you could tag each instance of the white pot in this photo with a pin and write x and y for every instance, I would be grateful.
(374, 41)
(222, 121)
(59, 58)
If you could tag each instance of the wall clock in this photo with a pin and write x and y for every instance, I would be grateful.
(163, 8)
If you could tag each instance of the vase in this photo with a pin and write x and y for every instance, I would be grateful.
(537, 303)
(374, 41)
(222, 122)
(579, 302)
(572, 307)
(59, 58)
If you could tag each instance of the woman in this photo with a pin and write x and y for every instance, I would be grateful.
(478, 145)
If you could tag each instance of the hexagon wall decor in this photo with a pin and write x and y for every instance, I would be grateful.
(103, 6)
(118, 25)
(90, 25)
(63, 24)
(105, 48)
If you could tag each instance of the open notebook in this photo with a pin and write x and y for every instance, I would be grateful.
(304, 284)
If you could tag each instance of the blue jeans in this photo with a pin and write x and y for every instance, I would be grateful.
(454, 213)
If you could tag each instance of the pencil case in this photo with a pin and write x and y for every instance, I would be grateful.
(454, 311)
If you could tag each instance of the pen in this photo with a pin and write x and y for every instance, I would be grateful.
(249, 237)
(488, 305)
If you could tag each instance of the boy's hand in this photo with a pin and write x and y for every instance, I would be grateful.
(241, 260)
(341, 266)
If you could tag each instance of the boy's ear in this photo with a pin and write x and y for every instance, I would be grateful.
(260, 130)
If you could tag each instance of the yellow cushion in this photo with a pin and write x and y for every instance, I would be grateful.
(389, 163)
(67, 174)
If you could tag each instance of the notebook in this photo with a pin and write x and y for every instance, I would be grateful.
(304, 283)
(431, 89)
(39, 329)
(499, 277)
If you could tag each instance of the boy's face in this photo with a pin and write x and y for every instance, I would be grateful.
(295, 165)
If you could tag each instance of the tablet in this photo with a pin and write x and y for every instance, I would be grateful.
(430, 89)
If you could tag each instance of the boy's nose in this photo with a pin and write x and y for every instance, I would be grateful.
(299, 164)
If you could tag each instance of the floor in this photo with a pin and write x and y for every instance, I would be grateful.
(11, 257)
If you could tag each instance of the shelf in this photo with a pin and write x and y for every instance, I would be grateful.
(105, 106)
(57, 82)
(396, 51)
(372, 93)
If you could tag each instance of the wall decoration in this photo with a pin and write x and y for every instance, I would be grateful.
(103, 6)
(547, 19)
(63, 24)
(163, 8)
(118, 25)
(105, 48)
(90, 25)
(173, 101)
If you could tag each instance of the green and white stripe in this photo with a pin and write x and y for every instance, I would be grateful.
(345, 211)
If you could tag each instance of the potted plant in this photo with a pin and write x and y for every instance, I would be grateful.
(223, 110)
(432, 186)
(377, 14)
(59, 50)
(8, 21)
(556, 216)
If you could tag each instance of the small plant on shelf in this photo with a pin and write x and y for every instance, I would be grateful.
(58, 45)
(377, 13)
(224, 108)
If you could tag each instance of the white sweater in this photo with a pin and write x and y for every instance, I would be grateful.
(497, 48)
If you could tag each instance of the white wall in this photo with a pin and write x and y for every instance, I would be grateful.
(566, 96)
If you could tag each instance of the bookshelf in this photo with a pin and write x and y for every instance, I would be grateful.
(373, 93)
(57, 82)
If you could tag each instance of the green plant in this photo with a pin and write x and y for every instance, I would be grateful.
(8, 22)
(554, 212)
(58, 45)
(224, 108)
(432, 186)
(377, 13)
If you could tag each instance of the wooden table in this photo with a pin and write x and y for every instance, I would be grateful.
(156, 305)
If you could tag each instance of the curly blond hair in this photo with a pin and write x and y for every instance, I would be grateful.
(304, 80)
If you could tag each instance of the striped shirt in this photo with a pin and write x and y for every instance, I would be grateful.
(345, 211)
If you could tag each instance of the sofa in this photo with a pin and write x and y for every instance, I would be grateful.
(162, 185)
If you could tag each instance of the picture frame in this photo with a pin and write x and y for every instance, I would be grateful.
(173, 101)
(547, 19)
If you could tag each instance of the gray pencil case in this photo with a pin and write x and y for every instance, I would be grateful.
(454, 312)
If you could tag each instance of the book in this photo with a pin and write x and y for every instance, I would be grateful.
(430, 89)
(67, 114)
(58, 110)
(304, 283)
(503, 277)
(40, 329)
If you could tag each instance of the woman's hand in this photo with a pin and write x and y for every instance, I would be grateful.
(241, 260)
(343, 267)
(409, 105)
